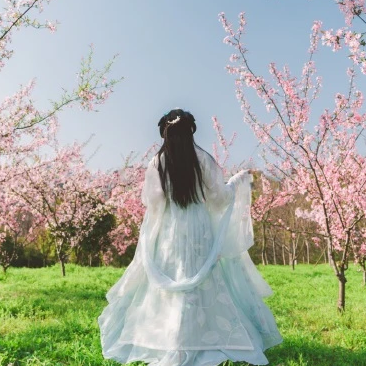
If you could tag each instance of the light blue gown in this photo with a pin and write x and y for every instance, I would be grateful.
(191, 296)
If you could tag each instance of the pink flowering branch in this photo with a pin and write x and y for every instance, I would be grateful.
(224, 144)
(15, 16)
(323, 165)
(64, 195)
(126, 202)
(346, 36)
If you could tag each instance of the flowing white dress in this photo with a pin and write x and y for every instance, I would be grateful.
(191, 296)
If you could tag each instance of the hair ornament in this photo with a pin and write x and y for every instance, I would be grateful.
(174, 120)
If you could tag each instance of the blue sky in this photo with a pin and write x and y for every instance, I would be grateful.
(171, 55)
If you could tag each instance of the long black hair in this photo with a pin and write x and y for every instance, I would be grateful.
(181, 162)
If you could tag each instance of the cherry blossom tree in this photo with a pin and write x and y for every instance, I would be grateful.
(97, 242)
(23, 127)
(13, 216)
(320, 163)
(126, 202)
(43, 243)
(18, 115)
(347, 36)
(263, 207)
(65, 196)
(275, 210)
(359, 247)
(222, 158)
(59, 192)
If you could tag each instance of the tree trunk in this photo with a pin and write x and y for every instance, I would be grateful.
(77, 256)
(283, 255)
(363, 266)
(294, 254)
(325, 257)
(340, 270)
(330, 257)
(63, 270)
(291, 257)
(274, 251)
(264, 244)
(307, 251)
(62, 257)
(341, 290)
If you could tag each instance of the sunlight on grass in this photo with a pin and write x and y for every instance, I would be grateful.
(49, 320)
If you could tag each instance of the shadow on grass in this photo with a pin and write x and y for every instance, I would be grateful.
(73, 294)
(53, 343)
(300, 352)
(45, 303)
(57, 344)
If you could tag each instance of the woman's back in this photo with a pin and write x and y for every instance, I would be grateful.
(191, 295)
(215, 192)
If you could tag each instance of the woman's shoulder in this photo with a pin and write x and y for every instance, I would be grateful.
(200, 151)
(154, 161)
(203, 155)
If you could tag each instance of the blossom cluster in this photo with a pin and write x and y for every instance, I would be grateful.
(322, 164)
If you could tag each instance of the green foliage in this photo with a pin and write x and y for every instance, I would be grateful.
(125, 259)
(8, 251)
(39, 253)
(91, 248)
(47, 320)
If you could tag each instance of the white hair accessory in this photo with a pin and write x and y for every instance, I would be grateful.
(174, 120)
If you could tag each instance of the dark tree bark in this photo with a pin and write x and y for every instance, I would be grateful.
(342, 289)
(63, 269)
(61, 256)
(274, 251)
(264, 244)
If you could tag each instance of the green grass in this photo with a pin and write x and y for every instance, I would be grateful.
(47, 320)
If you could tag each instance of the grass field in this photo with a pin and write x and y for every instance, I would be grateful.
(48, 320)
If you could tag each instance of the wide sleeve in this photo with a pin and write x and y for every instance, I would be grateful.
(152, 192)
(239, 236)
(218, 194)
(229, 207)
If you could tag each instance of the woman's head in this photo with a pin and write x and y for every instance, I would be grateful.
(177, 123)
(181, 163)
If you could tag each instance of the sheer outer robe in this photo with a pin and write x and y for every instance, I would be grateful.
(229, 209)
(211, 310)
